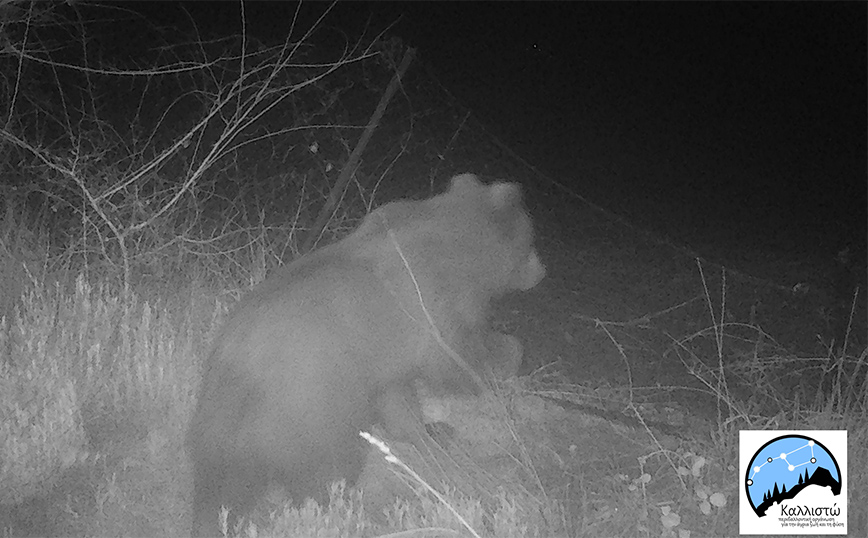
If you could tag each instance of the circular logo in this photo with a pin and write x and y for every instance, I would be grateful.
(784, 467)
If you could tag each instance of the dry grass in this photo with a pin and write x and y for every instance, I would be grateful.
(113, 281)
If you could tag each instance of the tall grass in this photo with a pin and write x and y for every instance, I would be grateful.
(126, 237)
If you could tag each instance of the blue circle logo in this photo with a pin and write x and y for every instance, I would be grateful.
(785, 466)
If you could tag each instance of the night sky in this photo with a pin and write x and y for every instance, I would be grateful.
(717, 123)
(721, 121)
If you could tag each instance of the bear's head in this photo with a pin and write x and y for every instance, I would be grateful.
(501, 217)
(491, 227)
(445, 258)
(478, 236)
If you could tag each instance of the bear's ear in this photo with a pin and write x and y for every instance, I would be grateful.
(505, 210)
(464, 183)
(499, 195)
(505, 195)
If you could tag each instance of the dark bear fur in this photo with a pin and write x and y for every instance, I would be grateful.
(335, 341)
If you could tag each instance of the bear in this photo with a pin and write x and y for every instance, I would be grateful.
(336, 341)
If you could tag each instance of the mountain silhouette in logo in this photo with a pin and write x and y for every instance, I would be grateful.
(821, 477)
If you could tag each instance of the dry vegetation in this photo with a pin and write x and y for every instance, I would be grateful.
(140, 202)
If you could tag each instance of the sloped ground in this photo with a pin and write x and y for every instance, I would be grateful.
(647, 291)
(622, 386)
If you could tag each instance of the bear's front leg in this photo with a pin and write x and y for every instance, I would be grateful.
(400, 412)
(403, 418)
